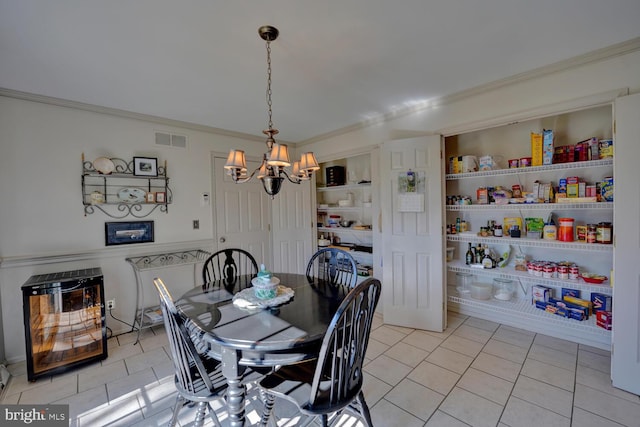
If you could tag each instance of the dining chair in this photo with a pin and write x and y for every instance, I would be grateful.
(332, 383)
(228, 264)
(334, 266)
(198, 378)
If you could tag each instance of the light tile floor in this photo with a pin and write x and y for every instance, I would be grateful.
(476, 373)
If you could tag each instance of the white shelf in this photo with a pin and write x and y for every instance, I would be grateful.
(343, 230)
(522, 276)
(532, 169)
(341, 209)
(344, 187)
(608, 206)
(535, 243)
(521, 313)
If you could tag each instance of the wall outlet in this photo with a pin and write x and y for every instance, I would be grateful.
(111, 304)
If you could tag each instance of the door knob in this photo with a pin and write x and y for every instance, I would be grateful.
(222, 240)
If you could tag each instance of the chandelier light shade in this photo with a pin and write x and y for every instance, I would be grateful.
(272, 171)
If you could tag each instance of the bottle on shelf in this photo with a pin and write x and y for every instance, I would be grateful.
(469, 256)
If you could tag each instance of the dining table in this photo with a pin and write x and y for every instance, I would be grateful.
(249, 334)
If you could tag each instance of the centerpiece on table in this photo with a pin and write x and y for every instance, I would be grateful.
(265, 286)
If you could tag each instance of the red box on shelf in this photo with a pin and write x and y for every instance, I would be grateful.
(604, 319)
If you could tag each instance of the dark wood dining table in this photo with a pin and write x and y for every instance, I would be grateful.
(259, 337)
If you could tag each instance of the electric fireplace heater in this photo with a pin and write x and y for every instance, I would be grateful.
(64, 321)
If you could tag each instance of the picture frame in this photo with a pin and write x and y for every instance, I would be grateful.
(151, 197)
(128, 232)
(145, 166)
(161, 197)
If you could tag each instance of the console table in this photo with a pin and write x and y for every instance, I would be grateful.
(149, 316)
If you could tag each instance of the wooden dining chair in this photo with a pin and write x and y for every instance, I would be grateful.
(334, 266)
(333, 382)
(227, 265)
(198, 378)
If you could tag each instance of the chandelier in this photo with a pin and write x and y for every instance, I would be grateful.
(272, 170)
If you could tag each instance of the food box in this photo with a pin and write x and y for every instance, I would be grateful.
(566, 292)
(536, 149)
(579, 302)
(534, 227)
(574, 311)
(547, 147)
(604, 320)
(508, 222)
(601, 302)
(540, 293)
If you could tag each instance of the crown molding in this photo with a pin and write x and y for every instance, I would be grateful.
(43, 99)
(609, 52)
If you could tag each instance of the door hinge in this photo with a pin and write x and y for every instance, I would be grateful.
(269, 228)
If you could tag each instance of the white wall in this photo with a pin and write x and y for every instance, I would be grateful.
(41, 211)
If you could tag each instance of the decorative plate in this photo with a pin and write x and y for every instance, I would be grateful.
(104, 165)
(132, 195)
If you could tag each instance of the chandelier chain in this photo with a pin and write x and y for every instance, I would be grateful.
(269, 83)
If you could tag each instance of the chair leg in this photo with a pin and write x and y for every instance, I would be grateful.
(200, 413)
(269, 401)
(214, 417)
(364, 409)
(178, 405)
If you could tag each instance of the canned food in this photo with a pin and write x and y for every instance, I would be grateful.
(548, 270)
(537, 271)
(574, 272)
(525, 161)
(514, 163)
(604, 233)
(563, 272)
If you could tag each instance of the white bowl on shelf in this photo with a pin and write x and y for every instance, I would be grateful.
(345, 203)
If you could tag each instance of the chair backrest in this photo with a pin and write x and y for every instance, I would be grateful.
(228, 264)
(334, 266)
(338, 376)
(186, 360)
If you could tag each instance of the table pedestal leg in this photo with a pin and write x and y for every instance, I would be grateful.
(235, 391)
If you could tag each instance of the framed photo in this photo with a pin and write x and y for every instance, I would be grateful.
(161, 197)
(145, 166)
(151, 197)
(124, 233)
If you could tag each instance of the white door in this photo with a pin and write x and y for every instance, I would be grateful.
(412, 243)
(292, 228)
(625, 359)
(242, 213)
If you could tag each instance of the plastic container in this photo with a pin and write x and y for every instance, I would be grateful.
(480, 291)
(450, 253)
(503, 289)
(565, 229)
(463, 282)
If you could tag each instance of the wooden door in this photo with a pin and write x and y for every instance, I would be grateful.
(625, 358)
(242, 214)
(414, 292)
(292, 228)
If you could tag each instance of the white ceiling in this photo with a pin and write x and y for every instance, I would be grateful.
(335, 64)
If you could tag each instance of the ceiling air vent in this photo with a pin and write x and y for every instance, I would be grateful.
(171, 140)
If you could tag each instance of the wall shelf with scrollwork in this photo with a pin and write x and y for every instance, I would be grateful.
(111, 186)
